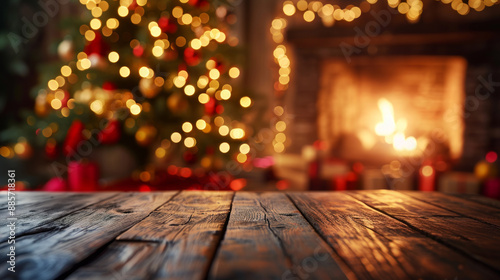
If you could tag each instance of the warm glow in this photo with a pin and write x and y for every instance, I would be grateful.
(245, 102)
(189, 142)
(237, 133)
(135, 109)
(113, 57)
(427, 171)
(176, 137)
(124, 71)
(394, 131)
(224, 147)
(189, 90)
(387, 126)
(187, 127)
(244, 149)
(201, 124)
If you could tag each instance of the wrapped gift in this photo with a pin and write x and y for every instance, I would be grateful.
(83, 176)
(492, 188)
(459, 182)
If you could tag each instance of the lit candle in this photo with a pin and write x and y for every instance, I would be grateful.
(426, 178)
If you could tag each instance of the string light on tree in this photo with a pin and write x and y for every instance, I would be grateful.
(158, 72)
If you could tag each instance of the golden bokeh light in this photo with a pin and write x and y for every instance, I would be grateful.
(187, 127)
(245, 102)
(113, 57)
(224, 147)
(234, 72)
(176, 137)
(124, 71)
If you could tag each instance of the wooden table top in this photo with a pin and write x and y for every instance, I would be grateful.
(246, 235)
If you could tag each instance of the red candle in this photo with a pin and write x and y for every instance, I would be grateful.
(426, 178)
(82, 176)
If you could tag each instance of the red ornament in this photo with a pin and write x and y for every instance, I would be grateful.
(97, 46)
(111, 133)
(191, 56)
(219, 109)
(210, 106)
(202, 4)
(138, 51)
(108, 86)
(167, 25)
(133, 5)
(51, 149)
(73, 138)
(65, 99)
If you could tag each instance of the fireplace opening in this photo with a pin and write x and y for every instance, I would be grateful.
(377, 109)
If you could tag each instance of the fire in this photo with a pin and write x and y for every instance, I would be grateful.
(392, 130)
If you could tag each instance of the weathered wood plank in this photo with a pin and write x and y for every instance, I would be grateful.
(376, 246)
(459, 205)
(479, 199)
(464, 234)
(51, 249)
(37, 208)
(123, 260)
(181, 238)
(267, 238)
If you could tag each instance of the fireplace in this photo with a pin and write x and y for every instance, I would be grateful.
(428, 75)
(376, 109)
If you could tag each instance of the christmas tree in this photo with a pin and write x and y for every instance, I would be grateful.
(157, 76)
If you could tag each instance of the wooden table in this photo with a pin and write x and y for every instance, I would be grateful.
(244, 235)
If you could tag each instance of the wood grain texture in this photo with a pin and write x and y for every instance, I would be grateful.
(177, 241)
(248, 235)
(461, 206)
(464, 234)
(376, 246)
(189, 227)
(479, 199)
(267, 238)
(51, 249)
(123, 260)
(34, 209)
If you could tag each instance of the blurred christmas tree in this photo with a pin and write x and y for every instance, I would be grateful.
(156, 76)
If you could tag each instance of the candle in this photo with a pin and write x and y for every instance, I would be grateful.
(427, 178)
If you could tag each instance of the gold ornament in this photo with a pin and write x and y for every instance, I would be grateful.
(148, 88)
(23, 150)
(42, 106)
(66, 50)
(176, 103)
(485, 170)
(145, 135)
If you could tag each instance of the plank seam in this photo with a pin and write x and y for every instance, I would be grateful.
(99, 250)
(474, 199)
(222, 236)
(439, 206)
(343, 264)
(431, 236)
(280, 242)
